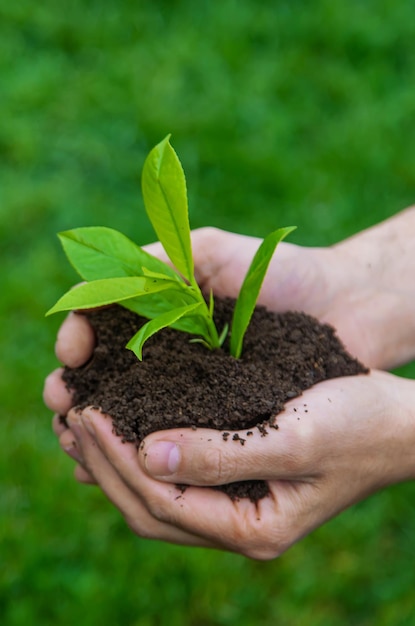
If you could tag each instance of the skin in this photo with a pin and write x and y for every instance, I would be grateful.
(361, 428)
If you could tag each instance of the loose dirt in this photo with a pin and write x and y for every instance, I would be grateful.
(183, 384)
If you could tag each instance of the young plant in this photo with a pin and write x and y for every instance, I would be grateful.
(116, 270)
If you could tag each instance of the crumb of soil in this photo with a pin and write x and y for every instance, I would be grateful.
(182, 384)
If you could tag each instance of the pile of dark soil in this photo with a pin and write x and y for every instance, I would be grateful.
(183, 384)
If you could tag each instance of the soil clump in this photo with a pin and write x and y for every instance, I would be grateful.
(183, 384)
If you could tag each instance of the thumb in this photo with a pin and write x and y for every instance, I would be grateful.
(209, 457)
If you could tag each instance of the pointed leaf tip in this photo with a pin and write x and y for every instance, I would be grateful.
(251, 286)
(165, 200)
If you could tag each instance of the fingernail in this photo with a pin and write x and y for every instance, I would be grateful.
(72, 451)
(162, 458)
(86, 421)
(74, 423)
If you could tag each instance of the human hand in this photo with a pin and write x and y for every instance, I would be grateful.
(221, 260)
(362, 286)
(293, 282)
(318, 281)
(339, 442)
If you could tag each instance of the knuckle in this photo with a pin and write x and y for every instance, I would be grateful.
(159, 512)
(260, 539)
(262, 553)
(149, 520)
(207, 233)
(75, 341)
(161, 509)
(265, 546)
(55, 395)
(145, 531)
(215, 468)
(298, 448)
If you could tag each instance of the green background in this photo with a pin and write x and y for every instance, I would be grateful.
(281, 112)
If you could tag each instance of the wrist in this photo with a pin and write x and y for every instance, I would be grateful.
(379, 289)
(399, 440)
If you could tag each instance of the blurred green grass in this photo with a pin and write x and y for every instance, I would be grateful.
(288, 112)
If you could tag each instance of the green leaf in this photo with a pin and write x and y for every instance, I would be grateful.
(162, 321)
(153, 305)
(100, 252)
(108, 291)
(165, 200)
(251, 286)
(152, 274)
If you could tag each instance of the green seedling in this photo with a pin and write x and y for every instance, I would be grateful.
(116, 270)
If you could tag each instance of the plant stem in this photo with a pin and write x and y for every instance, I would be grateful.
(212, 338)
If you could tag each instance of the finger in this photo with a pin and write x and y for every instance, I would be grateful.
(157, 250)
(259, 530)
(55, 394)
(127, 500)
(68, 443)
(214, 253)
(58, 426)
(222, 260)
(84, 477)
(75, 341)
(316, 431)
(208, 457)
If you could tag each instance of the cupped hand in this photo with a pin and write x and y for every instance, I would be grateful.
(353, 436)
(307, 279)
(336, 285)
(339, 442)
(297, 279)
(345, 285)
